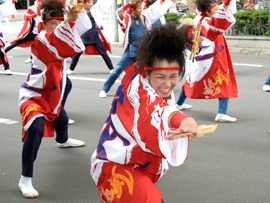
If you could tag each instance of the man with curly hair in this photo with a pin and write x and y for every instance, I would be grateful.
(133, 23)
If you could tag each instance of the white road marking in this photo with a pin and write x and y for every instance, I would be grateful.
(117, 81)
(71, 77)
(243, 64)
(111, 56)
(7, 121)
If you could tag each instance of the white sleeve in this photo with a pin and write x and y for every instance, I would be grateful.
(7, 9)
(83, 22)
(101, 6)
(156, 11)
(232, 6)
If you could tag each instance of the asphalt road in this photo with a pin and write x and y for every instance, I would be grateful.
(230, 165)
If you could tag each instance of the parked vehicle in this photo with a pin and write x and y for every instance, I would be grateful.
(239, 5)
(182, 10)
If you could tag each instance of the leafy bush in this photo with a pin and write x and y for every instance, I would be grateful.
(190, 16)
(172, 18)
(254, 22)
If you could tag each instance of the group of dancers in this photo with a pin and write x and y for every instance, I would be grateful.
(135, 145)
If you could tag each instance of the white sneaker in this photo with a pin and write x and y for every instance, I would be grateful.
(71, 122)
(69, 72)
(29, 60)
(266, 88)
(71, 143)
(26, 187)
(223, 118)
(8, 72)
(111, 71)
(183, 106)
(102, 94)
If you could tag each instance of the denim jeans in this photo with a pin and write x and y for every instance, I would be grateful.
(124, 62)
(267, 81)
(222, 102)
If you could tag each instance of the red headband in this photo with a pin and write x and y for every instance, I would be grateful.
(135, 7)
(211, 7)
(87, 1)
(54, 18)
(162, 68)
(143, 67)
(204, 12)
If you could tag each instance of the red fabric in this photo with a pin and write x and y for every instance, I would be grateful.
(71, 24)
(176, 119)
(40, 27)
(30, 13)
(127, 183)
(126, 6)
(90, 50)
(219, 81)
(28, 110)
(2, 49)
(227, 2)
(6, 59)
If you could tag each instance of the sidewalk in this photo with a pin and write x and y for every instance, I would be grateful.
(237, 44)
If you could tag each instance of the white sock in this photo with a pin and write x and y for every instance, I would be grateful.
(26, 187)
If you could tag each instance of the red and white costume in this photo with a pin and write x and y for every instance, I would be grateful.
(41, 94)
(2, 44)
(6, 9)
(97, 11)
(151, 14)
(32, 12)
(213, 76)
(133, 138)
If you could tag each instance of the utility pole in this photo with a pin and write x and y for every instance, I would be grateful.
(115, 24)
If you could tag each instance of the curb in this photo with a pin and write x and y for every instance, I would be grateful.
(249, 51)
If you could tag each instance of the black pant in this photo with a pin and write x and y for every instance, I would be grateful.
(100, 49)
(2, 56)
(34, 137)
(29, 37)
(67, 90)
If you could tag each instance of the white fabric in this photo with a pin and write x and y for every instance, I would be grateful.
(7, 9)
(155, 12)
(98, 11)
(83, 22)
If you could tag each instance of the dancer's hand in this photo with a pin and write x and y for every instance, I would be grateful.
(187, 125)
